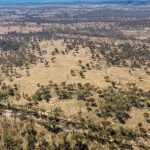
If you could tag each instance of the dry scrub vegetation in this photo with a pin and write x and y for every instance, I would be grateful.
(74, 77)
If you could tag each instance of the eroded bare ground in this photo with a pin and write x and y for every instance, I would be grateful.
(75, 77)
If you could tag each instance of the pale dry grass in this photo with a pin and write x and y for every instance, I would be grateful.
(60, 71)
(26, 29)
(137, 116)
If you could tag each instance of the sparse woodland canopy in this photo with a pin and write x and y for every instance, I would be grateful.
(74, 77)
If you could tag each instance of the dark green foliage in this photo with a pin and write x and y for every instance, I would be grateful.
(42, 94)
(31, 138)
